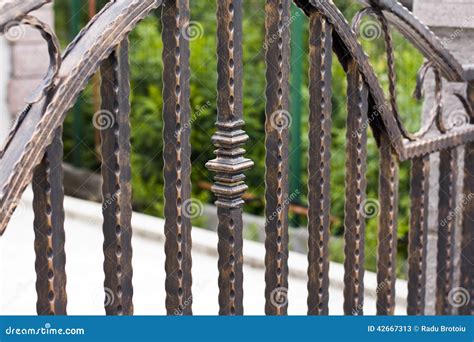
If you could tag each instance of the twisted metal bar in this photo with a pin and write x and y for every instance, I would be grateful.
(418, 235)
(319, 168)
(466, 290)
(278, 120)
(49, 231)
(355, 184)
(177, 157)
(116, 176)
(230, 162)
(448, 173)
(388, 224)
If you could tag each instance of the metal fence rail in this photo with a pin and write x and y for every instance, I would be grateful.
(34, 148)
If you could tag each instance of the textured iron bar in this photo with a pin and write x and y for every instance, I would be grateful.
(278, 120)
(177, 156)
(230, 163)
(420, 170)
(114, 123)
(49, 231)
(448, 171)
(356, 183)
(320, 77)
(388, 224)
(467, 239)
(466, 289)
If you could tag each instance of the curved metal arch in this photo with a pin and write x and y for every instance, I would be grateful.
(11, 10)
(80, 62)
(48, 81)
(345, 45)
(421, 37)
(382, 120)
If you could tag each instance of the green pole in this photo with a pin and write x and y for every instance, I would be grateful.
(297, 55)
(77, 119)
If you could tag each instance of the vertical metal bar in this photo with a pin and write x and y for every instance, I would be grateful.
(466, 291)
(467, 235)
(49, 231)
(116, 187)
(448, 170)
(418, 237)
(230, 163)
(320, 52)
(278, 120)
(388, 224)
(356, 184)
(177, 156)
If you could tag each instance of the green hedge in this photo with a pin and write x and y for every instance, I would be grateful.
(146, 83)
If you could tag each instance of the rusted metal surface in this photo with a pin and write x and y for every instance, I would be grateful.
(49, 231)
(48, 82)
(278, 121)
(230, 162)
(355, 204)
(415, 149)
(11, 11)
(467, 236)
(387, 230)
(347, 44)
(421, 37)
(80, 61)
(34, 152)
(319, 200)
(113, 121)
(392, 80)
(467, 240)
(418, 236)
(445, 281)
(177, 157)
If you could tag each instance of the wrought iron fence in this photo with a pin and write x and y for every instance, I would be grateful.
(33, 154)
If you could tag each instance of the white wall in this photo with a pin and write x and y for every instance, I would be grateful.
(5, 64)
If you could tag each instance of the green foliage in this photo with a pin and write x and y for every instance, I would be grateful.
(147, 124)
